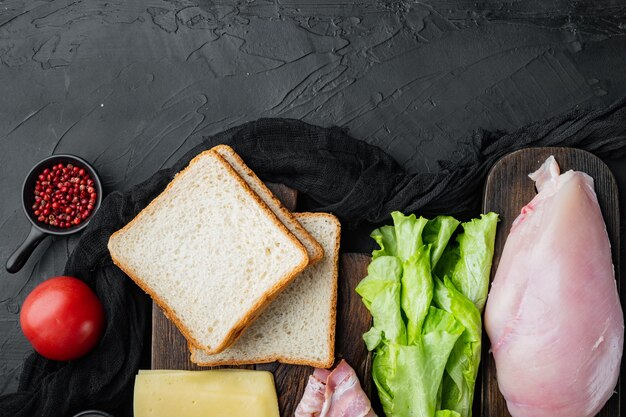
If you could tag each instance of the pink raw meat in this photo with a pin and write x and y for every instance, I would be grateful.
(314, 395)
(334, 394)
(553, 314)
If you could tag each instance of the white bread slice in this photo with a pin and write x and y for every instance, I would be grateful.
(313, 248)
(299, 326)
(209, 252)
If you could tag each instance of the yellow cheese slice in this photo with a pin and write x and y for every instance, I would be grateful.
(214, 393)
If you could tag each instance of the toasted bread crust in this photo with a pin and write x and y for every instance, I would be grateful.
(258, 306)
(318, 251)
(331, 331)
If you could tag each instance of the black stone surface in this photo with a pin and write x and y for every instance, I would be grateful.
(131, 85)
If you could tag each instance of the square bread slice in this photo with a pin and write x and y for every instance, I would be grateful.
(299, 326)
(313, 248)
(209, 252)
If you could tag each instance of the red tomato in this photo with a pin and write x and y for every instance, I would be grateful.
(62, 318)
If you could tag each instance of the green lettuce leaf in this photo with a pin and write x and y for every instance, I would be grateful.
(468, 261)
(408, 234)
(447, 413)
(381, 272)
(381, 291)
(384, 366)
(386, 238)
(437, 233)
(426, 331)
(410, 375)
(417, 292)
(372, 338)
(459, 379)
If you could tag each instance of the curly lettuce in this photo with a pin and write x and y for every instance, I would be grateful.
(425, 292)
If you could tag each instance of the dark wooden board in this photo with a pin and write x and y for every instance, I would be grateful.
(507, 190)
(169, 348)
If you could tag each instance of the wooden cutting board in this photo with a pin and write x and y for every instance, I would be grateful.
(507, 190)
(169, 348)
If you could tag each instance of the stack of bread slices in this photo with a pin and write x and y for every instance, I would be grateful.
(243, 279)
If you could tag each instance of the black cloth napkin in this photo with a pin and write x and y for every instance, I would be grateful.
(333, 172)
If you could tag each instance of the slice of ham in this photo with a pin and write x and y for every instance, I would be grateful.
(334, 394)
(314, 395)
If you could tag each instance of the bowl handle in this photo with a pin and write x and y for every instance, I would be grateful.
(21, 254)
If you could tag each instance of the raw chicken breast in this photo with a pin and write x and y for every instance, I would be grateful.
(553, 315)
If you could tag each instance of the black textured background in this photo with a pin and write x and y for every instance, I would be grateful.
(130, 85)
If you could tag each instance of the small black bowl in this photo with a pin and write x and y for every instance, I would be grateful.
(38, 229)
